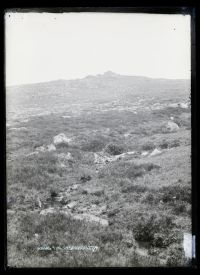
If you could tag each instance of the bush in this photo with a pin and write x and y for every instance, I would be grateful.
(110, 236)
(114, 149)
(94, 145)
(174, 143)
(148, 146)
(176, 257)
(178, 192)
(134, 188)
(164, 144)
(153, 229)
(179, 208)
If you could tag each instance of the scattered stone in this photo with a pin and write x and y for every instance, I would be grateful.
(60, 139)
(41, 149)
(65, 157)
(49, 210)
(174, 105)
(32, 154)
(91, 219)
(24, 120)
(155, 152)
(65, 116)
(39, 202)
(51, 148)
(144, 153)
(172, 126)
(10, 211)
(72, 204)
(184, 105)
(130, 153)
(126, 135)
(18, 129)
(74, 187)
(59, 198)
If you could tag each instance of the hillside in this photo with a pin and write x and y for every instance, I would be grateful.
(62, 95)
(99, 172)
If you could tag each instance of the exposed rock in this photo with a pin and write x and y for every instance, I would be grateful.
(18, 129)
(130, 153)
(144, 153)
(24, 120)
(65, 116)
(155, 152)
(49, 210)
(61, 139)
(71, 205)
(51, 148)
(32, 154)
(174, 105)
(10, 211)
(39, 202)
(127, 135)
(74, 187)
(65, 157)
(184, 105)
(100, 158)
(172, 126)
(91, 219)
(58, 198)
(40, 149)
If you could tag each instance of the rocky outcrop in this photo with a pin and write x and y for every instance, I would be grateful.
(172, 126)
(61, 139)
(155, 152)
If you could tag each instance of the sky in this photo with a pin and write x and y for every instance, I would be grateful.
(50, 46)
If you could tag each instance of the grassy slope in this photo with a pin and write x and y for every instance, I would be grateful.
(147, 199)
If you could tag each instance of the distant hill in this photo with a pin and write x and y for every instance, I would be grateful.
(92, 89)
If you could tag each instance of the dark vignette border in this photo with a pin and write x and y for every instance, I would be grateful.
(156, 7)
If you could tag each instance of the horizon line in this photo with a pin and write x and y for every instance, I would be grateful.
(91, 75)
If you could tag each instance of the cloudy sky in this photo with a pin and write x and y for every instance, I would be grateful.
(47, 46)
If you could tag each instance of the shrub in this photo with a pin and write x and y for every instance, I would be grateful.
(149, 198)
(176, 257)
(134, 188)
(114, 149)
(94, 145)
(179, 208)
(179, 192)
(153, 229)
(148, 146)
(174, 143)
(110, 236)
(162, 240)
(164, 144)
(53, 194)
(85, 178)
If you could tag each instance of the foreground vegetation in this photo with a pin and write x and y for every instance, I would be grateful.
(146, 200)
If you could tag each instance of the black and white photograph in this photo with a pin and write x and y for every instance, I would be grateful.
(98, 139)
